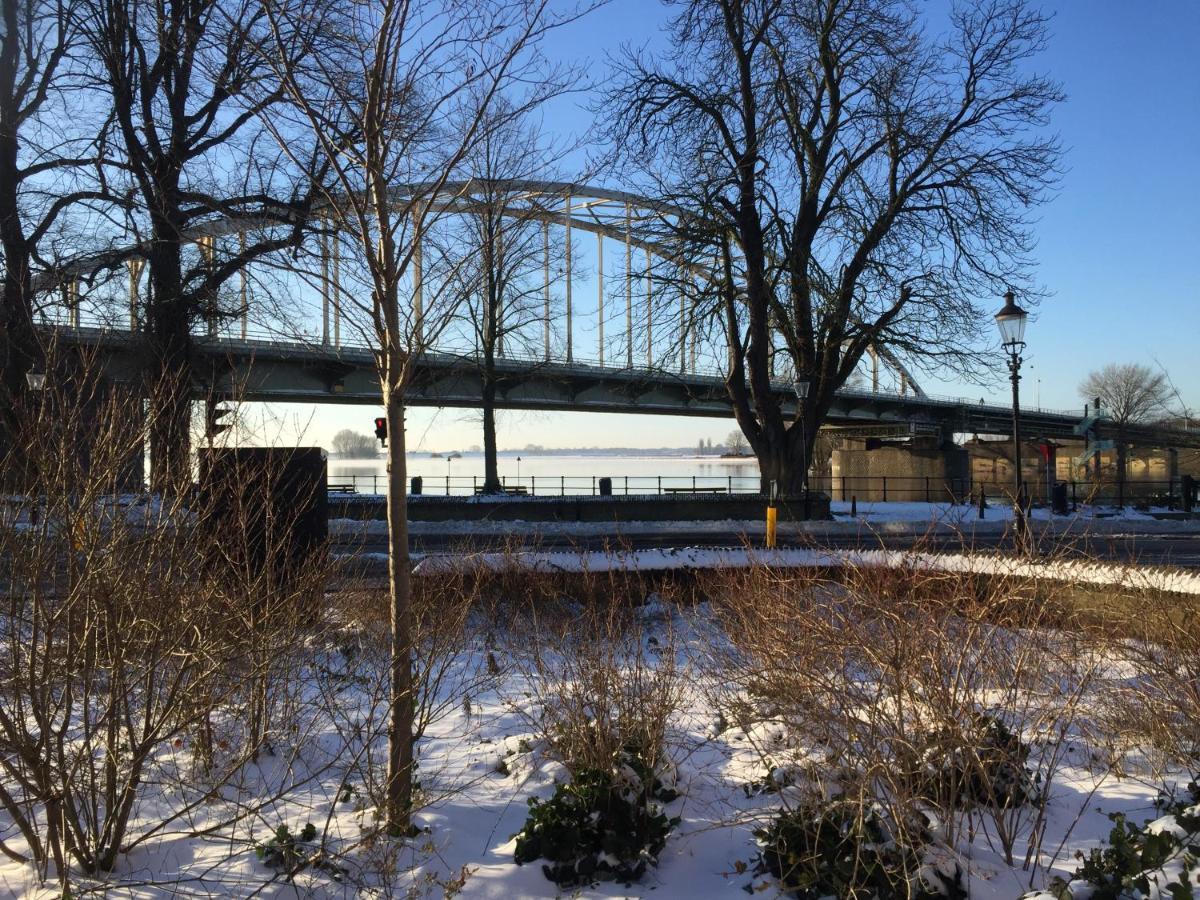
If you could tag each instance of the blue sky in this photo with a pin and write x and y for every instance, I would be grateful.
(1118, 246)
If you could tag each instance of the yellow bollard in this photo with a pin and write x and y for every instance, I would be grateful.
(771, 514)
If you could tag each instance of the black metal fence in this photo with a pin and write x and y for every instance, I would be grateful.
(559, 485)
(864, 488)
(928, 489)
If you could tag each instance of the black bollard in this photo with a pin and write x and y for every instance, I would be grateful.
(982, 502)
(1059, 499)
(854, 507)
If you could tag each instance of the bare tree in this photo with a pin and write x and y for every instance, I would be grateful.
(395, 101)
(39, 154)
(500, 252)
(187, 83)
(354, 445)
(843, 179)
(1132, 393)
(736, 442)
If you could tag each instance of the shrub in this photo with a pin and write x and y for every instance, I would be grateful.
(983, 764)
(1161, 705)
(602, 826)
(293, 852)
(286, 850)
(604, 682)
(884, 671)
(1159, 859)
(852, 850)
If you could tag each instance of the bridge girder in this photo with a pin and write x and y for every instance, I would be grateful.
(303, 373)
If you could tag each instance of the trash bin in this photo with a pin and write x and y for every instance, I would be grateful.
(606, 487)
(416, 485)
(1058, 500)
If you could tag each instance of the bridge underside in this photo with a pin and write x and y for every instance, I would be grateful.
(283, 373)
(303, 373)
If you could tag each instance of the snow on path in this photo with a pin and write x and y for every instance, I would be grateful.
(1079, 571)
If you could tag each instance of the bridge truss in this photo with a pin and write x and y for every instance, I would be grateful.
(642, 315)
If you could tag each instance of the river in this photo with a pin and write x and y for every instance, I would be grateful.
(546, 474)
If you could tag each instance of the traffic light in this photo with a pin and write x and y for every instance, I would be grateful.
(381, 430)
(214, 412)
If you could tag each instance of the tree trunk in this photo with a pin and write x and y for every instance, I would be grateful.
(1122, 466)
(784, 463)
(400, 725)
(170, 380)
(491, 470)
(18, 345)
(488, 345)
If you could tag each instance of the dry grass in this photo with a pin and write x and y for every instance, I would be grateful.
(603, 682)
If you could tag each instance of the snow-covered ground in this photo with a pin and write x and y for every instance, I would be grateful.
(481, 762)
(1134, 578)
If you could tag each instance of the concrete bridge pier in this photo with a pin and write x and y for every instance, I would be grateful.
(110, 435)
(915, 469)
(85, 429)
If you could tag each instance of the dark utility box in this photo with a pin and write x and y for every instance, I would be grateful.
(271, 502)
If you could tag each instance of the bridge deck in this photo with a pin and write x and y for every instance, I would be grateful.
(295, 371)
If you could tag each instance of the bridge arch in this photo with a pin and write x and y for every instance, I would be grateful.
(606, 213)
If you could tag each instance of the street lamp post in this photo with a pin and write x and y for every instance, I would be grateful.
(1011, 322)
(801, 387)
(36, 379)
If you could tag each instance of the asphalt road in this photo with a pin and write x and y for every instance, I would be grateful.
(1179, 551)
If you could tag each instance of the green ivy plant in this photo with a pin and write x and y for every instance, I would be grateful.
(851, 850)
(601, 826)
(1132, 864)
(293, 852)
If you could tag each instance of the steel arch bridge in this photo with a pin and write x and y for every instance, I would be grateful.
(562, 210)
(257, 358)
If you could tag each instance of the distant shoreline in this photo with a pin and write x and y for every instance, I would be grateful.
(635, 452)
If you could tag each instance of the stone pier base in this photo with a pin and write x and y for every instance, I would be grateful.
(916, 470)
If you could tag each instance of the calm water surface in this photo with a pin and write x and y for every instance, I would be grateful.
(555, 474)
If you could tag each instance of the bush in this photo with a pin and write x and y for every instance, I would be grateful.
(852, 850)
(983, 764)
(600, 827)
(604, 681)
(293, 852)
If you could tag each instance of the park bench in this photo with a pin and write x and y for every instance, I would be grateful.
(695, 490)
(341, 487)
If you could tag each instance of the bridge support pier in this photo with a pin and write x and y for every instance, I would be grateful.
(916, 469)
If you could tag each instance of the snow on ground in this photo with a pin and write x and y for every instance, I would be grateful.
(474, 809)
(1075, 571)
(967, 514)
